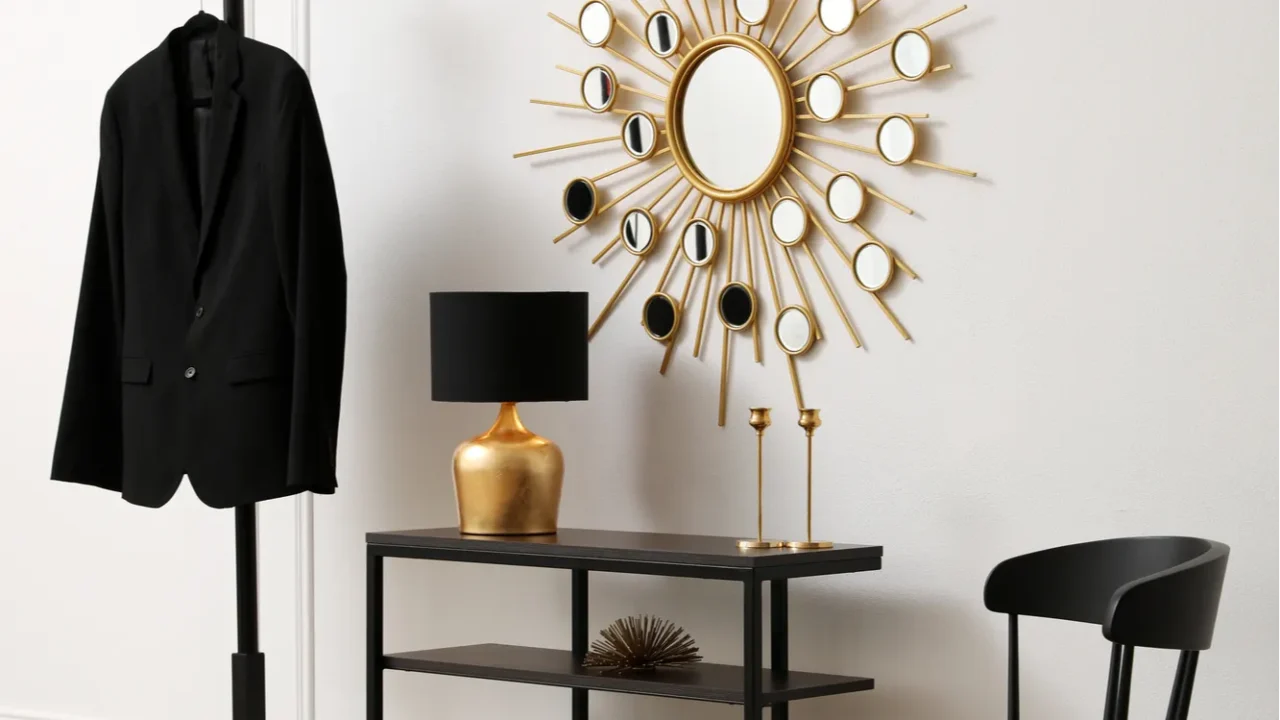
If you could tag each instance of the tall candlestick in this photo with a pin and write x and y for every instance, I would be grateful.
(761, 421)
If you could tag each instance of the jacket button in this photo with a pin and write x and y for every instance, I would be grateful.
(190, 373)
(199, 312)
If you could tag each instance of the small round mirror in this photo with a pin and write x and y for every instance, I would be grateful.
(737, 306)
(837, 16)
(699, 240)
(846, 196)
(599, 89)
(896, 139)
(873, 267)
(661, 316)
(752, 12)
(789, 221)
(595, 23)
(580, 201)
(825, 97)
(637, 231)
(912, 55)
(664, 33)
(794, 330)
(640, 135)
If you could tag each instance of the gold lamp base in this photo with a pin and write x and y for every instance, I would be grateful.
(508, 480)
(760, 544)
(810, 545)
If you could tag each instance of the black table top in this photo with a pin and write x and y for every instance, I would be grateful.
(607, 545)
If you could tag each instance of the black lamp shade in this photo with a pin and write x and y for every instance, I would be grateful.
(497, 347)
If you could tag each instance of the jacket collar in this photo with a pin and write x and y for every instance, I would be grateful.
(226, 112)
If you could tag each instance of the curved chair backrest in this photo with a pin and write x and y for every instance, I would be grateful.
(1156, 592)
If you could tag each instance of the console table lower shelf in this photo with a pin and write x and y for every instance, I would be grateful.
(751, 684)
(558, 668)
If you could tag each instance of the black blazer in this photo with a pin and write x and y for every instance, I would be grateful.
(211, 325)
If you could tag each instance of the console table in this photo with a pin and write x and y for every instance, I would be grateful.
(584, 551)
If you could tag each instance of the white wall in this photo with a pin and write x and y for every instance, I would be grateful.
(1096, 344)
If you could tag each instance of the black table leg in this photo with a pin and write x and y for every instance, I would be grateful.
(579, 637)
(753, 708)
(373, 640)
(779, 643)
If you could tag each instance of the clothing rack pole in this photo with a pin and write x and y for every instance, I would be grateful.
(248, 665)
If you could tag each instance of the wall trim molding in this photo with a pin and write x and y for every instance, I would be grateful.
(304, 541)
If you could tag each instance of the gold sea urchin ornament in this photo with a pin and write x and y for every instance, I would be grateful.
(642, 644)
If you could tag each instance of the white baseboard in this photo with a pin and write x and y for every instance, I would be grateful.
(13, 714)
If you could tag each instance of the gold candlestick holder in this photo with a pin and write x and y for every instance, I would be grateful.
(761, 421)
(810, 420)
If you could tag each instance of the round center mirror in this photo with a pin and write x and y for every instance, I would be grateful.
(732, 117)
(794, 330)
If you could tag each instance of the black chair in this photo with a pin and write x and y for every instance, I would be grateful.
(1154, 592)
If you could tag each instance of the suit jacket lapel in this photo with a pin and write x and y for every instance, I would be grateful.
(226, 116)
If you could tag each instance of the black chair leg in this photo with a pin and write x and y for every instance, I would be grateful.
(1180, 699)
(1122, 689)
(1113, 680)
(1014, 703)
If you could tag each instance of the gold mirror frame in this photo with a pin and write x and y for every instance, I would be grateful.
(675, 108)
(742, 218)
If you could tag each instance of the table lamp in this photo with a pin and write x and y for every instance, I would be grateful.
(508, 348)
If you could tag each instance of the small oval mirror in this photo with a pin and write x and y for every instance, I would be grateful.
(699, 240)
(789, 221)
(837, 16)
(599, 89)
(640, 135)
(896, 139)
(637, 231)
(595, 23)
(580, 201)
(661, 316)
(873, 267)
(737, 306)
(912, 55)
(794, 330)
(846, 196)
(825, 97)
(664, 33)
(752, 12)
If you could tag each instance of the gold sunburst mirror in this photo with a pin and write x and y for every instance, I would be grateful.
(739, 108)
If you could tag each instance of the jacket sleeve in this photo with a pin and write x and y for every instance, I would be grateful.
(88, 447)
(313, 272)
